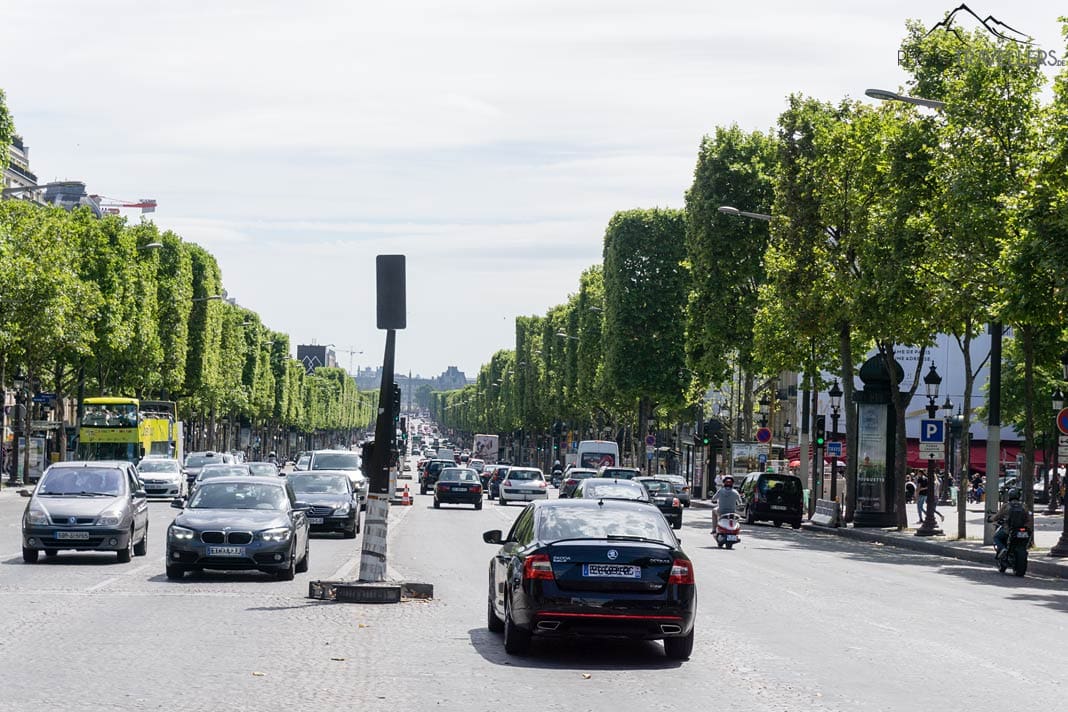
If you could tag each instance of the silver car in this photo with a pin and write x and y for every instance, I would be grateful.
(523, 484)
(86, 506)
(161, 476)
(342, 461)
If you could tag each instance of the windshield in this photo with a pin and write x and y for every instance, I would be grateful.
(458, 475)
(620, 473)
(158, 466)
(263, 469)
(201, 460)
(659, 486)
(111, 415)
(231, 495)
(319, 484)
(780, 486)
(336, 461)
(525, 475)
(213, 471)
(589, 523)
(614, 490)
(82, 480)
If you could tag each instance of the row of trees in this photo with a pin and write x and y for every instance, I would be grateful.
(880, 225)
(96, 306)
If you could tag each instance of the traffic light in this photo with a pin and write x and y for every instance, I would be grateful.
(713, 434)
(396, 402)
(820, 435)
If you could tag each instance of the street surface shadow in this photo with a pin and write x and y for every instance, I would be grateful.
(1058, 602)
(297, 606)
(103, 558)
(238, 576)
(580, 654)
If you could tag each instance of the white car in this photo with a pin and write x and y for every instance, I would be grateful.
(161, 476)
(523, 484)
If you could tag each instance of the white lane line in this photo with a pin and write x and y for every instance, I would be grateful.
(102, 584)
(125, 574)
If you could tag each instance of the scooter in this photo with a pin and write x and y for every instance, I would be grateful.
(728, 530)
(1014, 555)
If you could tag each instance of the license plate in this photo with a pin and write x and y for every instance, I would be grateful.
(315, 520)
(778, 506)
(226, 551)
(1023, 535)
(72, 535)
(611, 571)
(732, 537)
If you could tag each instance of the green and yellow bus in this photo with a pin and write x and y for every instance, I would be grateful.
(114, 428)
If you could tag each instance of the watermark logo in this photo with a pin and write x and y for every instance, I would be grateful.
(1014, 47)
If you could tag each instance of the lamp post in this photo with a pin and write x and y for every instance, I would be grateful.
(932, 381)
(835, 394)
(787, 428)
(1051, 473)
(1061, 547)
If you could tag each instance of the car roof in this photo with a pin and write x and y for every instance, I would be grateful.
(347, 452)
(594, 504)
(276, 481)
(583, 469)
(90, 463)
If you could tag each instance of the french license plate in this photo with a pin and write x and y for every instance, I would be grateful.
(611, 571)
(1023, 535)
(778, 506)
(72, 535)
(732, 537)
(226, 551)
(315, 520)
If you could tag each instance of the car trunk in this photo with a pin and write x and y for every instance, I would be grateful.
(636, 567)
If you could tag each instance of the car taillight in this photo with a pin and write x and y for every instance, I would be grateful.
(681, 572)
(675, 502)
(537, 566)
(477, 489)
(542, 484)
(571, 482)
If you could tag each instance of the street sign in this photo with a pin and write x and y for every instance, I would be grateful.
(834, 448)
(762, 459)
(1062, 420)
(763, 435)
(1062, 449)
(44, 424)
(931, 451)
(44, 397)
(650, 440)
(763, 451)
(932, 431)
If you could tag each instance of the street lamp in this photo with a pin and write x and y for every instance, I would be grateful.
(835, 393)
(1061, 547)
(1051, 472)
(209, 298)
(150, 246)
(728, 210)
(887, 95)
(931, 381)
(787, 429)
(562, 335)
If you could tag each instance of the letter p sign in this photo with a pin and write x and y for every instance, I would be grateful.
(932, 431)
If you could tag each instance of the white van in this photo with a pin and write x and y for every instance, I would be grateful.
(596, 454)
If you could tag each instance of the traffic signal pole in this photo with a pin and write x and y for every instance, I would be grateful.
(373, 556)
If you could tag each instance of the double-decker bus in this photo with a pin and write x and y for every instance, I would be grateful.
(109, 429)
(161, 431)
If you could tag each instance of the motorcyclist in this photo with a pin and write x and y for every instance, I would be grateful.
(557, 472)
(272, 458)
(1011, 515)
(726, 499)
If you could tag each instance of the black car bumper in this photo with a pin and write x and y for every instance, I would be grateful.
(600, 618)
(458, 497)
(261, 556)
(331, 524)
(57, 538)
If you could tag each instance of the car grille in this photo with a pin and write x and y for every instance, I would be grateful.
(320, 511)
(226, 537)
(91, 543)
(65, 521)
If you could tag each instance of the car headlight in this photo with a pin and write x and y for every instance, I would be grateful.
(342, 510)
(111, 518)
(279, 534)
(178, 533)
(36, 516)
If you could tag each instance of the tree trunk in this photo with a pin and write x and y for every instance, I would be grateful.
(1028, 474)
(61, 432)
(846, 354)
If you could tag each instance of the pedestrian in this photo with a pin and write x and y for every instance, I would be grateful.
(921, 496)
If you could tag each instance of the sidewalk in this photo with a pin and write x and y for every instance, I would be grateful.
(1048, 529)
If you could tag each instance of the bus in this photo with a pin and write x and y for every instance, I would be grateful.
(109, 429)
(161, 431)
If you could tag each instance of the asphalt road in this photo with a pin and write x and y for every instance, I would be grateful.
(787, 621)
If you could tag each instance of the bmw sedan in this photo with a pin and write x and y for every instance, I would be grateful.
(234, 523)
(523, 484)
(334, 504)
(86, 506)
(596, 568)
(458, 485)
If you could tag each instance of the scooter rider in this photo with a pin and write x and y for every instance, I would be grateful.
(272, 458)
(558, 470)
(726, 499)
(1011, 516)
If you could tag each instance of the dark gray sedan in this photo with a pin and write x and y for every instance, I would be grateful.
(86, 506)
(234, 523)
(334, 504)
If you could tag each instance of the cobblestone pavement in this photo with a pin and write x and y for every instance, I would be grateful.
(787, 621)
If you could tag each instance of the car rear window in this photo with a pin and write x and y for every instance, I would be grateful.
(788, 486)
(158, 466)
(523, 475)
(336, 461)
(201, 460)
(458, 475)
(587, 523)
(614, 490)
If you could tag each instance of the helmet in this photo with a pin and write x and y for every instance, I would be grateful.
(1014, 494)
(271, 454)
(728, 481)
(557, 462)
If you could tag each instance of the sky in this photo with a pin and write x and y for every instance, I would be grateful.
(489, 142)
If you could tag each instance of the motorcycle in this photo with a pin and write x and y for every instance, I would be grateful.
(728, 530)
(1014, 555)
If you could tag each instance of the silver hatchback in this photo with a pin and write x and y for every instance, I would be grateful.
(86, 506)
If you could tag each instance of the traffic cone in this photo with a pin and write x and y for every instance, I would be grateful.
(406, 499)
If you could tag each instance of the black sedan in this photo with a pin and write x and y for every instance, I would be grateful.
(584, 567)
(236, 523)
(666, 498)
(335, 505)
(458, 485)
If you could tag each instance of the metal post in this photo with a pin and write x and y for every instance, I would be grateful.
(804, 442)
(993, 434)
(373, 556)
(835, 415)
(929, 527)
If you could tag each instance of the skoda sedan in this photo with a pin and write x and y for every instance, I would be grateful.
(234, 523)
(584, 567)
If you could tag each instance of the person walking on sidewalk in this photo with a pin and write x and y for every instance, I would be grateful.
(922, 488)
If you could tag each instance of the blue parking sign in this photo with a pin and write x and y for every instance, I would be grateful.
(932, 431)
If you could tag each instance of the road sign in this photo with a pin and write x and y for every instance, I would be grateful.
(650, 440)
(834, 448)
(931, 451)
(763, 435)
(44, 424)
(1062, 449)
(931, 455)
(1062, 421)
(762, 458)
(763, 450)
(932, 431)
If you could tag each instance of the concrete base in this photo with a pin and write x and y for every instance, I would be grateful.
(879, 520)
(369, 591)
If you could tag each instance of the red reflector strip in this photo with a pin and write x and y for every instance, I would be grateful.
(608, 616)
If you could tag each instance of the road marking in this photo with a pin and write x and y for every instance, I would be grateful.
(102, 584)
(125, 574)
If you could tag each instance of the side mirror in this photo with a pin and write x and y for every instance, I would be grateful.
(493, 536)
(301, 507)
(140, 494)
(178, 503)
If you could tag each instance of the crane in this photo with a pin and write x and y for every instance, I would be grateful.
(351, 353)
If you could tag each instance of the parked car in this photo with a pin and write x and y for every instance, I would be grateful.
(86, 506)
(584, 567)
(769, 496)
(458, 485)
(523, 484)
(334, 504)
(430, 474)
(665, 497)
(236, 523)
(264, 469)
(572, 477)
(604, 488)
(682, 487)
(161, 476)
